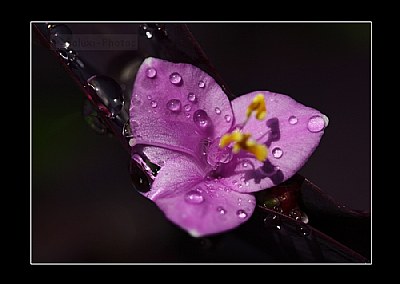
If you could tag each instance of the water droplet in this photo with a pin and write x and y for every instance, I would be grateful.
(316, 124)
(242, 179)
(187, 115)
(245, 164)
(239, 200)
(326, 120)
(273, 220)
(304, 218)
(277, 153)
(200, 117)
(149, 97)
(191, 97)
(293, 120)
(153, 104)
(228, 118)
(188, 107)
(149, 34)
(234, 182)
(221, 210)
(174, 105)
(132, 142)
(217, 110)
(295, 214)
(202, 84)
(151, 73)
(194, 197)
(303, 230)
(241, 214)
(175, 78)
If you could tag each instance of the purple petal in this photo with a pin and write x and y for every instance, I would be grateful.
(199, 206)
(291, 131)
(175, 106)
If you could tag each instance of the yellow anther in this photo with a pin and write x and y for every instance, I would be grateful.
(242, 142)
(257, 105)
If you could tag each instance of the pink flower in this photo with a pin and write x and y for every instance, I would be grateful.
(214, 153)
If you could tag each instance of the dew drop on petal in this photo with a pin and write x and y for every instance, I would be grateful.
(151, 73)
(191, 97)
(217, 110)
(221, 210)
(200, 117)
(245, 164)
(202, 84)
(277, 153)
(242, 179)
(174, 105)
(194, 197)
(316, 123)
(187, 115)
(175, 78)
(293, 120)
(241, 214)
(153, 104)
(187, 107)
(228, 118)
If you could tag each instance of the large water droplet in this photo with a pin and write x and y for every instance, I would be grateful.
(194, 197)
(151, 73)
(187, 107)
(221, 210)
(217, 110)
(174, 105)
(153, 104)
(293, 120)
(175, 78)
(202, 84)
(216, 155)
(191, 97)
(200, 117)
(277, 152)
(241, 214)
(316, 123)
(228, 118)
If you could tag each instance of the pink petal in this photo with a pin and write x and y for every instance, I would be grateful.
(199, 206)
(291, 132)
(176, 106)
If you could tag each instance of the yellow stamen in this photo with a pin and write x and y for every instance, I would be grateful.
(257, 105)
(241, 142)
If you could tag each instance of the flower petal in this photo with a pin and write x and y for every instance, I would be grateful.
(199, 206)
(175, 106)
(291, 131)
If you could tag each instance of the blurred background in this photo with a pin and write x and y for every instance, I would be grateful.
(84, 208)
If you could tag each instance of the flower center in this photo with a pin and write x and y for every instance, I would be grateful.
(242, 141)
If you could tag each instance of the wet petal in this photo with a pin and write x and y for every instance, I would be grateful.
(175, 106)
(199, 206)
(291, 131)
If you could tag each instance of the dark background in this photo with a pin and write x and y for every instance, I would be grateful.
(84, 208)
